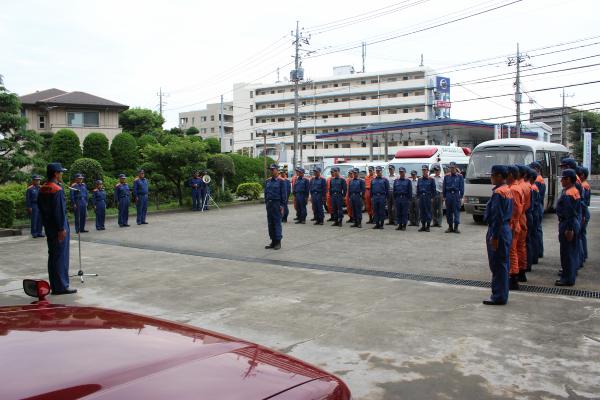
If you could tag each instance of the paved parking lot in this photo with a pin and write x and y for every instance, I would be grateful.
(326, 298)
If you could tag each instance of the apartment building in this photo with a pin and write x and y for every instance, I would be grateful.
(339, 102)
(208, 120)
(554, 117)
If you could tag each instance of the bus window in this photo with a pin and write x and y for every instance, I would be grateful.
(481, 162)
(543, 157)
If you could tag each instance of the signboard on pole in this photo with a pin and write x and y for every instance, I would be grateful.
(587, 150)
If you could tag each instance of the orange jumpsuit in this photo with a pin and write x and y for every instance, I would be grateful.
(328, 197)
(522, 244)
(515, 226)
(367, 199)
(347, 199)
(293, 182)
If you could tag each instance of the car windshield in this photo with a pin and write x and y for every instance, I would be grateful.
(481, 162)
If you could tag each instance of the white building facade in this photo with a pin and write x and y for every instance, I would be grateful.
(327, 105)
(208, 120)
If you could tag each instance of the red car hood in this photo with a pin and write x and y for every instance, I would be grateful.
(60, 352)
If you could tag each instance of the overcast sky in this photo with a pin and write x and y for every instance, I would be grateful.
(195, 50)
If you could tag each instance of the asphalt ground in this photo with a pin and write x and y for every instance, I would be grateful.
(325, 298)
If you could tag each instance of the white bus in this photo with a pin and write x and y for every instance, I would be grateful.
(478, 187)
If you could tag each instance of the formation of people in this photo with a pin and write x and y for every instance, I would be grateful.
(397, 198)
(514, 216)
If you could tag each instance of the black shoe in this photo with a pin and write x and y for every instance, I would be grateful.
(399, 228)
(349, 221)
(331, 219)
(298, 222)
(370, 221)
(359, 226)
(456, 228)
(493, 303)
(513, 282)
(66, 291)
(427, 229)
(561, 283)
(139, 223)
(270, 246)
(320, 223)
(403, 227)
(335, 224)
(277, 245)
(313, 219)
(143, 223)
(449, 230)
(296, 219)
(390, 223)
(375, 227)
(126, 225)
(84, 231)
(522, 277)
(340, 222)
(316, 223)
(422, 228)
(354, 226)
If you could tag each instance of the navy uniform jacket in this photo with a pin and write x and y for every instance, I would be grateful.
(288, 186)
(337, 186)
(568, 208)
(121, 192)
(196, 183)
(498, 213)
(31, 196)
(140, 187)
(402, 188)
(53, 207)
(275, 190)
(380, 186)
(83, 194)
(318, 185)
(99, 197)
(454, 184)
(356, 186)
(301, 186)
(426, 187)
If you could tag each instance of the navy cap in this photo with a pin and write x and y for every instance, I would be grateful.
(500, 169)
(452, 164)
(425, 166)
(273, 166)
(522, 169)
(36, 177)
(436, 168)
(318, 169)
(513, 170)
(586, 172)
(140, 171)
(569, 173)
(355, 170)
(379, 168)
(54, 167)
(579, 170)
(413, 172)
(401, 169)
(568, 162)
(532, 174)
(536, 165)
(98, 182)
(79, 175)
(391, 166)
(371, 168)
(300, 169)
(122, 176)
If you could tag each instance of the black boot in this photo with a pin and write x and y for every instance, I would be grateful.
(270, 246)
(450, 229)
(335, 224)
(513, 282)
(522, 276)
(370, 221)
(404, 227)
(277, 245)
(399, 228)
(456, 228)
(422, 228)
(427, 227)
(313, 219)
(349, 220)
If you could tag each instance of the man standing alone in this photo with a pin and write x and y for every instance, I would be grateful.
(275, 196)
(140, 197)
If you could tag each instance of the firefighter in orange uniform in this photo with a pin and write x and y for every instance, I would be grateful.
(328, 200)
(522, 244)
(347, 199)
(370, 176)
(515, 225)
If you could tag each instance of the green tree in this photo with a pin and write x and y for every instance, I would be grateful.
(145, 140)
(176, 131)
(175, 160)
(19, 148)
(591, 121)
(248, 169)
(95, 145)
(223, 167)
(141, 121)
(192, 130)
(124, 153)
(214, 145)
(65, 147)
(90, 168)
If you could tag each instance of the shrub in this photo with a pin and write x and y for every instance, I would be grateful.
(95, 145)
(16, 193)
(141, 121)
(145, 140)
(247, 169)
(125, 153)
(192, 130)
(65, 147)
(224, 197)
(7, 212)
(91, 170)
(213, 145)
(249, 190)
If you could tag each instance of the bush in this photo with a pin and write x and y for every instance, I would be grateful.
(65, 147)
(91, 170)
(7, 212)
(95, 145)
(145, 140)
(192, 130)
(249, 190)
(125, 153)
(224, 197)
(141, 121)
(247, 169)
(213, 145)
(16, 193)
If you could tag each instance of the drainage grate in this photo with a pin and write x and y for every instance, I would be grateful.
(563, 291)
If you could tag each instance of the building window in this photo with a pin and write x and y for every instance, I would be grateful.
(346, 115)
(280, 119)
(251, 107)
(272, 92)
(326, 146)
(325, 101)
(212, 130)
(374, 81)
(263, 120)
(392, 111)
(203, 130)
(335, 115)
(363, 114)
(80, 119)
(345, 145)
(392, 95)
(391, 79)
(272, 119)
(405, 78)
(280, 90)
(272, 106)
(303, 147)
(212, 117)
(325, 116)
(193, 120)
(420, 109)
(336, 130)
(251, 121)
(405, 94)
(335, 85)
(419, 93)
(251, 94)
(363, 144)
(41, 121)
(281, 105)
(346, 84)
(336, 146)
(336, 100)
(345, 99)
(374, 113)
(324, 86)
(405, 110)
(203, 119)
(373, 97)
(363, 82)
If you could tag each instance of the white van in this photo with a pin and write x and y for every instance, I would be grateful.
(361, 165)
(478, 188)
(413, 157)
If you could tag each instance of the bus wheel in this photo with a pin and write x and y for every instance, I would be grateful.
(478, 219)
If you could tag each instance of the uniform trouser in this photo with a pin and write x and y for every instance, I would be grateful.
(316, 198)
(337, 201)
(402, 203)
(204, 198)
(569, 257)
(356, 204)
(514, 253)
(368, 204)
(329, 205)
(437, 207)
(100, 215)
(530, 241)
(414, 211)
(536, 239)
(80, 215)
(58, 262)
(123, 211)
(196, 201)
(453, 209)
(378, 203)
(300, 205)
(274, 219)
(522, 248)
(499, 265)
(391, 207)
(36, 221)
(540, 235)
(141, 206)
(286, 210)
(584, 234)
(348, 206)
(580, 243)
(425, 208)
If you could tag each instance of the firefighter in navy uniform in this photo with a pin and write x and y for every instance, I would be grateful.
(453, 190)
(31, 197)
(53, 210)
(99, 203)
(301, 190)
(195, 183)
(288, 189)
(568, 208)
(498, 213)
(425, 192)
(318, 188)
(275, 197)
(140, 197)
(402, 199)
(79, 201)
(356, 190)
(380, 188)
(122, 199)
(541, 184)
(337, 192)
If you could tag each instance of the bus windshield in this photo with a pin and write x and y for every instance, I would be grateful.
(481, 162)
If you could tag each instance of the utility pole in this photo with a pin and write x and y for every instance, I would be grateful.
(364, 55)
(517, 61)
(222, 127)
(563, 126)
(296, 76)
(265, 151)
(161, 103)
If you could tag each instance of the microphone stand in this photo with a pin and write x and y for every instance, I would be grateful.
(80, 273)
